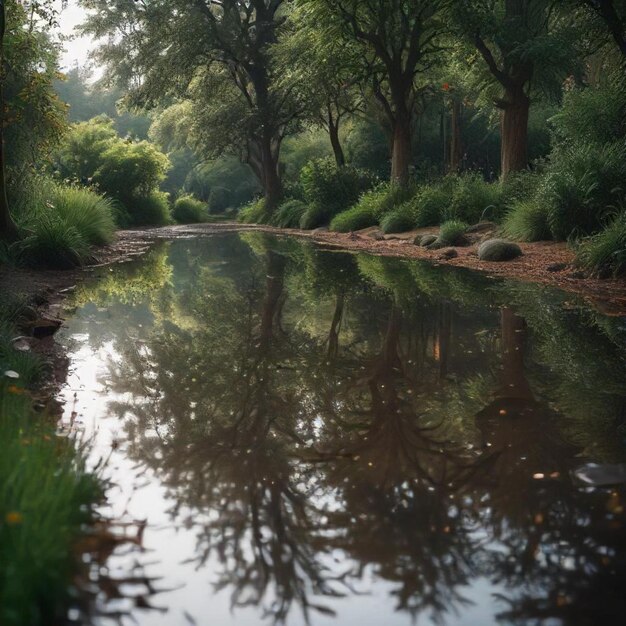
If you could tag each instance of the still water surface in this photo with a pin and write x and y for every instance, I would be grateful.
(314, 437)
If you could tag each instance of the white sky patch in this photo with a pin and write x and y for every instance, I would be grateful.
(76, 51)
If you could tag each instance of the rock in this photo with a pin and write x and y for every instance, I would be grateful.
(436, 245)
(44, 327)
(498, 250)
(425, 240)
(448, 253)
(556, 267)
(379, 237)
(321, 229)
(481, 227)
(578, 275)
(22, 344)
(601, 475)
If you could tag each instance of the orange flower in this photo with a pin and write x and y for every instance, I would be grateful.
(446, 86)
(13, 518)
(15, 389)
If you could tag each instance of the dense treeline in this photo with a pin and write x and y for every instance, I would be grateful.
(397, 113)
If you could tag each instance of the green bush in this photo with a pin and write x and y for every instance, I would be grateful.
(527, 220)
(219, 199)
(584, 184)
(254, 213)
(429, 204)
(189, 210)
(605, 252)
(451, 233)
(289, 214)
(398, 220)
(474, 199)
(88, 212)
(358, 217)
(331, 189)
(150, 210)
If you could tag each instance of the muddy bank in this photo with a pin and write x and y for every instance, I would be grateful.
(548, 263)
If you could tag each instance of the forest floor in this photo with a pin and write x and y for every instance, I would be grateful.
(548, 263)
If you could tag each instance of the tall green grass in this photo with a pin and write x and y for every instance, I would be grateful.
(189, 210)
(46, 498)
(605, 253)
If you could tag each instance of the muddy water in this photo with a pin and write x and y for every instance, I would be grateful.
(313, 437)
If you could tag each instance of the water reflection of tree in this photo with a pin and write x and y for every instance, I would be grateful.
(367, 433)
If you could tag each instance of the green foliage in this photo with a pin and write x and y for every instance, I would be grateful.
(361, 215)
(605, 252)
(474, 199)
(331, 189)
(584, 184)
(128, 172)
(429, 203)
(289, 214)
(61, 224)
(254, 213)
(527, 220)
(398, 220)
(451, 232)
(313, 217)
(46, 499)
(189, 210)
(150, 210)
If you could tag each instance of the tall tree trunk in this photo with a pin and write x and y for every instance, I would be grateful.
(514, 132)
(272, 185)
(333, 131)
(456, 140)
(401, 150)
(8, 229)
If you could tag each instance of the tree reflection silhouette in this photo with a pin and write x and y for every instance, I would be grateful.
(398, 431)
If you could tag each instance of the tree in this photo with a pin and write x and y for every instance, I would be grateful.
(322, 70)
(613, 14)
(523, 44)
(171, 47)
(8, 229)
(398, 41)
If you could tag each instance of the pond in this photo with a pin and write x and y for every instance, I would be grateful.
(315, 437)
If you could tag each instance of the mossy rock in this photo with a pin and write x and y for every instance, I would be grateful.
(425, 240)
(498, 250)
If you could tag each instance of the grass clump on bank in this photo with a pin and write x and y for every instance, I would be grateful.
(189, 210)
(60, 224)
(452, 233)
(604, 254)
(46, 497)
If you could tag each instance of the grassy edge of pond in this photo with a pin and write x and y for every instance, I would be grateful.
(47, 495)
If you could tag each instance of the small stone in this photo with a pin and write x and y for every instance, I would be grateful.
(577, 275)
(481, 227)
(498, 250)
(448, 253)
(556, 267)
(425, 240)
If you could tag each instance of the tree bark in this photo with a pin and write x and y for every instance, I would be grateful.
(514, 132)
(456, 140)
(8, 229)
(333, 131)
(401, 149)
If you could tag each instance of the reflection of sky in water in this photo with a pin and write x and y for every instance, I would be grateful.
(369, 431)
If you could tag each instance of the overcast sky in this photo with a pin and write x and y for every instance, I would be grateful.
(76, 51)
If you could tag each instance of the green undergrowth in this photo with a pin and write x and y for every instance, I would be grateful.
(46, 495)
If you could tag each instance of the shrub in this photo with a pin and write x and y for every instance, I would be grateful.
(254, 213)
(428, 205)
(189, 210)
(451, 233)
(331, 189)
(358, 217)
(605, 252)
(371, 207)
(289, 214)
(473, 199)
(527, 220)
(219, 199)
(398, 220)
(150, 210)
(583, 185)
(88, 212)
(53, 243)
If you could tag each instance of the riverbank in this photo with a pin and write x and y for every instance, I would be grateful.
(548, 263)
